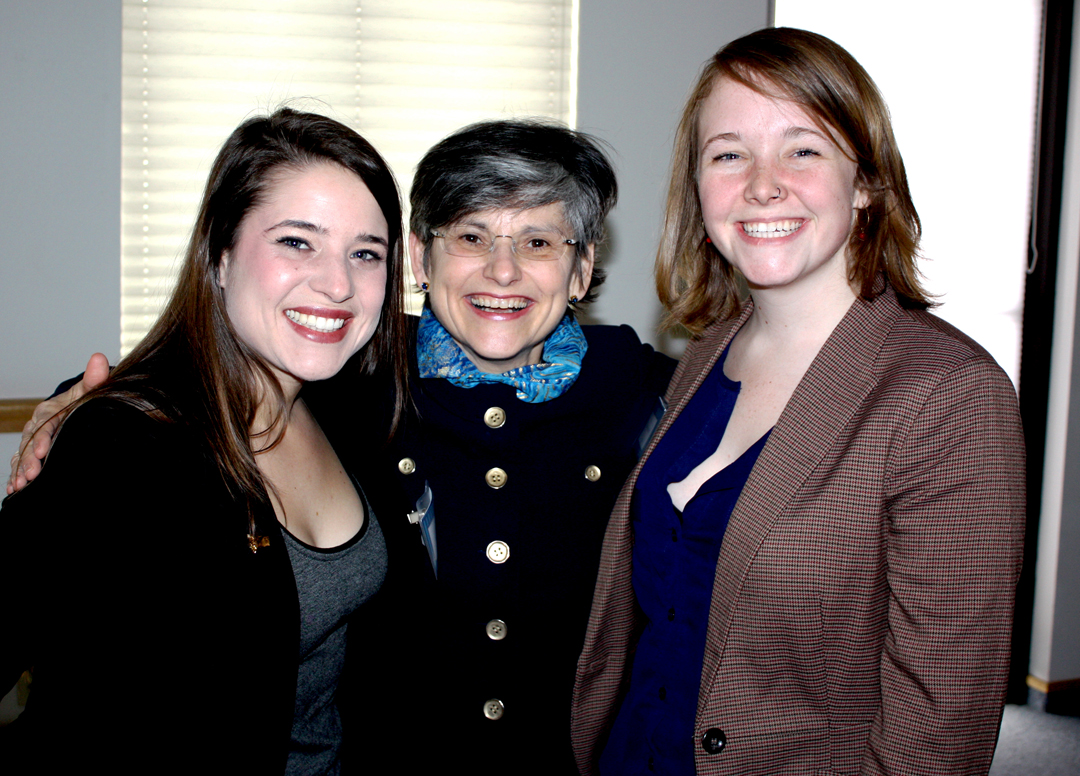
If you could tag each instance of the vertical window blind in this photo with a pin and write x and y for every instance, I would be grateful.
(403, 73)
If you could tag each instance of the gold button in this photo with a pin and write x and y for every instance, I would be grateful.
(406, 466)
(498, 552)
(496, 630)
(495, 417)
(496, 477)
(494, 709)
(592, 473)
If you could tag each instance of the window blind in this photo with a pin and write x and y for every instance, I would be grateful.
(403, 73)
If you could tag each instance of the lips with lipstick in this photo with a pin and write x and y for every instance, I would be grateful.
(772, 229)
(316, 322)
(498, 305)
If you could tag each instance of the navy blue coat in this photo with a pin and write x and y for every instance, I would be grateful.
(428, 663)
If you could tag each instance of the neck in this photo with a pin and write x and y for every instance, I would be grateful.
(786, 314)
(267, 408)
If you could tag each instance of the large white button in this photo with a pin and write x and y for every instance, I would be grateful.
(406, 466)
(496, 630)
(498, 552)
(494, 709)
(592, 473)
(495, 478)
(495, 417)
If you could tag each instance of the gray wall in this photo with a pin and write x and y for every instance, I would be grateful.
(637, 62)
(60, 191)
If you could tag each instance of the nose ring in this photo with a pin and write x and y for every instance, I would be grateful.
(777, 196)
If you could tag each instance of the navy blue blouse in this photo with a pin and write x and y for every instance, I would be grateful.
(675, 557)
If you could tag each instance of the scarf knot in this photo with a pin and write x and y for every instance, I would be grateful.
(439, 356)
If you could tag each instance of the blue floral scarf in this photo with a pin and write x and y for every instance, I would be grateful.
(439, 356)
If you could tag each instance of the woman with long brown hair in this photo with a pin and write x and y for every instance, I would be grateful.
(201, 620)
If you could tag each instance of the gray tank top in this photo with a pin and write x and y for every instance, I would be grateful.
(332, 584)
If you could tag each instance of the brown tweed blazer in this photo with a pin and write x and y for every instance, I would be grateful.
(863, 597)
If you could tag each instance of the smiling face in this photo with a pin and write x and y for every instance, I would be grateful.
(305, 281)
(500, 308)
(778, 195)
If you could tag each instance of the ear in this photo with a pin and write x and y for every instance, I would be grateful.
(416, 258)
(862, 198)
(580, 281)
(223, 269)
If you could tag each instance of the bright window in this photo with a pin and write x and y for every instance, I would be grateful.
(404, 73)
(960, 82)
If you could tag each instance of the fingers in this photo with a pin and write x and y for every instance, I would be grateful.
(19, 467)
(34, 445)
(38, 433)
(97, 369)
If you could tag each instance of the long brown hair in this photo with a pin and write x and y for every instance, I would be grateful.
(191, 367)
(696, 283)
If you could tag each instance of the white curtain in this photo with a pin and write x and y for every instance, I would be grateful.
(404, 73)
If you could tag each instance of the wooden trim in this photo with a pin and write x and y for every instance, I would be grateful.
(14, 413)
(1045, 687)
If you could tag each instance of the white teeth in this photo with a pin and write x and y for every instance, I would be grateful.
(318, 323)
(490, 303)
(771, 229)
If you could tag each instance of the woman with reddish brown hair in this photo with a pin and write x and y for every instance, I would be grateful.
(811, 570)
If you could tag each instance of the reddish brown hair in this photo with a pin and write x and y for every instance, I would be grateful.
(696, 283)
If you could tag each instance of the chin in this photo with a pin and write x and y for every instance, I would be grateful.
(313, 372)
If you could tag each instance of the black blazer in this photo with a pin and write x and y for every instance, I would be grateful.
(159, 642)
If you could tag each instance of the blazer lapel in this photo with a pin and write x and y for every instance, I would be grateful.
(823, 403)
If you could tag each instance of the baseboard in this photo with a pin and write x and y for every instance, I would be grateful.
(1061, 698)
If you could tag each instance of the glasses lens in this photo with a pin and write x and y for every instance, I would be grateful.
(462, 241)
(540, 246)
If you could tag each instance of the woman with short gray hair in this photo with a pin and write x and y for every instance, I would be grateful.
(498, 485)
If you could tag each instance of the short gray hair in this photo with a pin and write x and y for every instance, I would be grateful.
(517, 164)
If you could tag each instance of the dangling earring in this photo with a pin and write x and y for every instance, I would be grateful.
(864, 222)
(424, 287)
(708, 240)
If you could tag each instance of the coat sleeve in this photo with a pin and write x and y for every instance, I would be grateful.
(955, 510)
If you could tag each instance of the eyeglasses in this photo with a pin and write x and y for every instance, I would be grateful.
(472, 243)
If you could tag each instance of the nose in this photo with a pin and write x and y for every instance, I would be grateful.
(502, 264)
(764, 186)
(333, 278)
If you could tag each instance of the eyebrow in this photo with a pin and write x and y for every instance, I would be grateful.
(789, 133)
(794, 132)
(307, 226)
